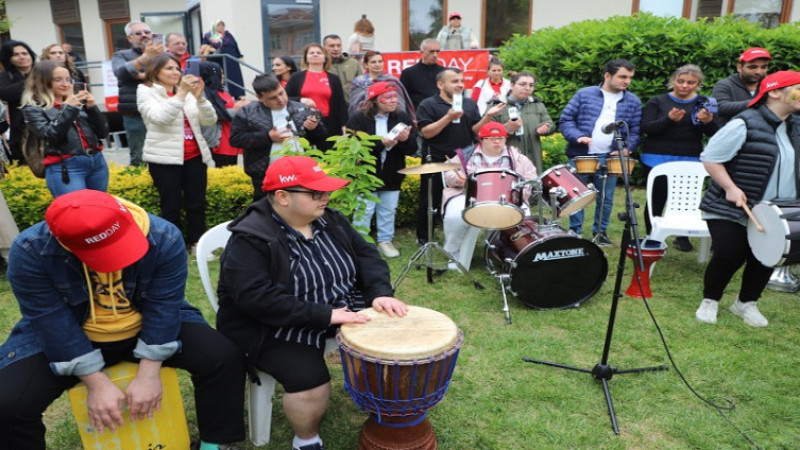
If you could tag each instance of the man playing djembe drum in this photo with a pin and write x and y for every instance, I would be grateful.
(491, 153)
(291, 269)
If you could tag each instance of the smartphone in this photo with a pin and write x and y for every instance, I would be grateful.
(192, 67)
(157, 38)
(513, 113)
(78, 86)
(394, 132)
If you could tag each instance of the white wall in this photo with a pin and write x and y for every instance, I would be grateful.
(548, 13)
(385, 15)
(31, 22)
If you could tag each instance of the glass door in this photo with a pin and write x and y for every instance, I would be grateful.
(288, 26)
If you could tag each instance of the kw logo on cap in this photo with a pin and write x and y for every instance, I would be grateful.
(103, 235)
(287, 179)
(774, 83)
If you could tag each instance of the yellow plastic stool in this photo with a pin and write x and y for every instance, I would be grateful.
(166, 430)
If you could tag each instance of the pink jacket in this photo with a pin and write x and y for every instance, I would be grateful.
(520, 164)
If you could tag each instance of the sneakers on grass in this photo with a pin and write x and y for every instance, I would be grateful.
(388, 250)
(707, 312)
(749, 312)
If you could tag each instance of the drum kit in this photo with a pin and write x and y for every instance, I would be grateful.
(526, 253)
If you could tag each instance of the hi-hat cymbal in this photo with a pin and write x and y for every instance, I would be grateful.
(430, 168)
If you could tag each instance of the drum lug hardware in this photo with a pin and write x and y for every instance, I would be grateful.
(511, 263)
(576, 190)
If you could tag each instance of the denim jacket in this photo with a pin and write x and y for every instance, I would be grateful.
(50, 286)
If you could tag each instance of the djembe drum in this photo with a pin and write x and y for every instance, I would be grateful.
(652, 251)
(397, 369)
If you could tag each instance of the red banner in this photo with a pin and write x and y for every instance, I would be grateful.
(473, 63)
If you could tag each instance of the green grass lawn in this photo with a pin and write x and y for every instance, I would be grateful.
(498, 401)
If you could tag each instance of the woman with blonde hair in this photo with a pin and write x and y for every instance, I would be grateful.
(173, 109)
(70, 124)
(55, 52)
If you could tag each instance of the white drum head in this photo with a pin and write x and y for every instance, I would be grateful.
(769, 246)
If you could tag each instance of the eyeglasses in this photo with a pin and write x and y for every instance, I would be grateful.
(495, 138)
(315, 195)
(139, 33)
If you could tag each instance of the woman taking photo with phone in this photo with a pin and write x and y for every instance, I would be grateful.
(71, 126)
(173, 109)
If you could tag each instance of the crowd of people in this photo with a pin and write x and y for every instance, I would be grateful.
(294, 267)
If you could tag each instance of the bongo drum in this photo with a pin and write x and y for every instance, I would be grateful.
(615, 167)
(397, 368)
(586, 165)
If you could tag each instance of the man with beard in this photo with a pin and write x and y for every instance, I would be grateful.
(735, 92)
(129, 66)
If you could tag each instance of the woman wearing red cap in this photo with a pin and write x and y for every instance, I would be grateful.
(751, 159)
(455, 36)
(381, 116)
(373, 65)
(491, 152)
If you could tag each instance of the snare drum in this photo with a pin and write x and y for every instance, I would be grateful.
(550, 268)
(398, 368)
(493, 199)
(586, 165)
(779, 243)
(572, 194)
(615, 167)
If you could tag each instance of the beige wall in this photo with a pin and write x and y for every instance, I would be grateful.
(27, 23)
(548, 13)
(385, 15)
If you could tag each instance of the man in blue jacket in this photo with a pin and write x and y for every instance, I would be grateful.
(101, 281)
(581, 122)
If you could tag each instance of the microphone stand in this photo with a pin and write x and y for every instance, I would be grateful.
(603, 371)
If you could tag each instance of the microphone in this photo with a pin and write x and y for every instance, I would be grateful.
(612, 127)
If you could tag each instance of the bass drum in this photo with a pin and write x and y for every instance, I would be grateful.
(551, 268)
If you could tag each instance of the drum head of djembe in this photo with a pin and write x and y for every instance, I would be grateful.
(399, 366)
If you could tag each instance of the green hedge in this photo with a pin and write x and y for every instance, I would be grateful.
(571, 57)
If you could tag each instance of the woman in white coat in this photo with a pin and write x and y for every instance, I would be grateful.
(173, 109)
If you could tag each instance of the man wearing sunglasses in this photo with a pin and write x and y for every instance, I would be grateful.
(129, 66)
(292, 269)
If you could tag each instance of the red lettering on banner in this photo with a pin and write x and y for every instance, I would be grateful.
(473, 63)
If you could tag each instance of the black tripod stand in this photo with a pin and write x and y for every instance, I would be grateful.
(603, 371)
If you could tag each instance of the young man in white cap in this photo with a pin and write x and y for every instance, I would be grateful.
(98, 282)
(737, 90)
(750, 159)
(293, 268)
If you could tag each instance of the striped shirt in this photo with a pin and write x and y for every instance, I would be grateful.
(321, 271)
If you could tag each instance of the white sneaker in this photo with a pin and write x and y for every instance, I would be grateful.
(452, 266)
(750, 313)
(388, 249)
(707, 312)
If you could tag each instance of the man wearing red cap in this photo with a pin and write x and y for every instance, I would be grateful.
(751, 159)
(99, 282)
(491, 153)
(293, 268)
(735, 92)
(455, 36)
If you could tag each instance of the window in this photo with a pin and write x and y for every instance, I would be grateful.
(115, 35)
(765, 12)
(290, 25)
(72, 33)
(664, 8)
(503, 19)
(424, 20)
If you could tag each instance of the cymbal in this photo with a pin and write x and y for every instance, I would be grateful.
(430, 168)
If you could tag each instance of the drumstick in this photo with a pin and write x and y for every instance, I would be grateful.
(752, 217)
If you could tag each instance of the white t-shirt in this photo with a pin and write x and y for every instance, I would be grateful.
(601, 142)
(280, 119)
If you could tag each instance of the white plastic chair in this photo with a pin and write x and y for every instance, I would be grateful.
(681, 216)
(259, 398)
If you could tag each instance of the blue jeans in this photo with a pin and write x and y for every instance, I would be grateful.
(85, 172)
(576, 220)
(386, 208)
(135, 131)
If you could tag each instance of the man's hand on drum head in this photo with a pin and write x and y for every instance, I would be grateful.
(390, 305)
(344, 315)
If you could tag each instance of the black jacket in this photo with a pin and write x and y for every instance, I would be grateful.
(127, 83)
(337, 117)
(255, 290)
(12, 83)
(57, 127)
(250, 132)
(396, 157)
(732, 98)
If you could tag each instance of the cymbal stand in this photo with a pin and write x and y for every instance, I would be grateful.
(603, 371)
(430, 247)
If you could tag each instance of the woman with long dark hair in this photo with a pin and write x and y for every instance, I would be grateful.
(173, 109)
(284, 67)
(71, 126)
(17, 59)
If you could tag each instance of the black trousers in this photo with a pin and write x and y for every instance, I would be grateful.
(437, 186)
(182, 186)
(216, 365)
(731, 251)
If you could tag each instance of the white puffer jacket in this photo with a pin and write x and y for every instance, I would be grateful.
(163, 117)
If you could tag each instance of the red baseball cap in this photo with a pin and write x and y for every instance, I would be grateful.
(754, 53)
(381, 87)
(303, 171)
(97, 228)
(492, 129)
(453, 15)
(777, 80)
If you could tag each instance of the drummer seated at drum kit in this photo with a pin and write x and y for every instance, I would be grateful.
(293, 268)
(491, 153)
